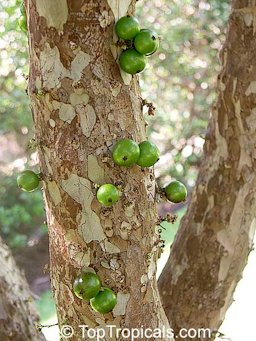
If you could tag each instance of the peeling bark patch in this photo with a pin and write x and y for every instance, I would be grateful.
(119, 8)
(76, 99)
(53, 71)
(122, 300)
(78, 64)
(54, 192)
(95, 172)
(66, 113)
(55, 12)
(89, 225)
(88, 120)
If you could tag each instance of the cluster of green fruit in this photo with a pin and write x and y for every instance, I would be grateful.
(87, 286)
(23, 19)
(126, 153)
(145, 42)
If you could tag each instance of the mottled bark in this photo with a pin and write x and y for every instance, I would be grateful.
(82, 105)
(18, 317)
(215, 238)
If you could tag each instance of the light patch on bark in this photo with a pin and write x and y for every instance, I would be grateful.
(87, 119)
(54, 192)
(52, 123)
(53, 70)
(47, 158)
(55, 12)
(152, 267)
(89, 223)
(79, 98)
(227, 237)
(116, 90)
(251, 89)
(110, 248)
(95, 172)
(83, 258)
(78, 64)
(119, 7)
(67, 112)
(122, 300)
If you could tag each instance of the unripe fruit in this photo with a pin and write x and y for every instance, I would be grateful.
(176, 192)
(146, 42)
(126, 152)
(149, 154)
(132, 61)
(87, 285)
(107, 195)
(23, 23)
(127, 27)
(104, 301)
(28, 181)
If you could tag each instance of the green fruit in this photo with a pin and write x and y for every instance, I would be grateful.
(104, 301)
(107, 195)
(87, 285)
(28, 181)
(149, 154)
(22, 9)
(132, 61)
(146, 42)
(23, 23)
(126, 153)
(127, 27)
(176, 192)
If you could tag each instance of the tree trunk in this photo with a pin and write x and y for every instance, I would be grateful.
(215, 237)
(82, 105)
(18, 316)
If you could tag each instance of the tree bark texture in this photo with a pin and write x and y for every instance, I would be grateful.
(82, 104)
(18, 316)
(215, 237)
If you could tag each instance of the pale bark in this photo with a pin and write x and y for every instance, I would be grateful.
(18, 316)
(215, 237)
(82, 105)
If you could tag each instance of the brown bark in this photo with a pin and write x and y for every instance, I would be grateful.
(18, 317)
(215, 237)
(82, 105)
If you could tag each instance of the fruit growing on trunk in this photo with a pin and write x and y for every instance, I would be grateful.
(126, 152)
(132, 61)
(149, 154)
(107, 195)
(127, 27)
(146, 42)
(104, 301)
(176, 192)
(28, 181)
(87, 285)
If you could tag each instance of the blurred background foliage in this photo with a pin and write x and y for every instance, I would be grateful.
(180, 81)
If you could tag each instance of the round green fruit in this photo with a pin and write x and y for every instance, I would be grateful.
(126, 152)
(149, 154)
(87, 285)
(127, 27)
(23, 24)
(104, 301)
(132, 61)
(107, 195)
(176, 192)
(28, 181)
(146, 42)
